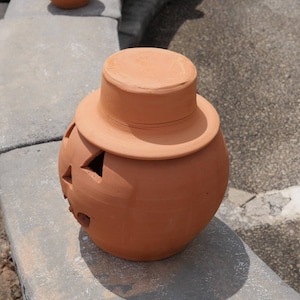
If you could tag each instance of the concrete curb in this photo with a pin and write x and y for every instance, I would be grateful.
(54, 258)
(136, 16)
(58, 63)
(57, 260)
(39, 8)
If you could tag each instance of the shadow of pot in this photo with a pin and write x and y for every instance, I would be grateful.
(215, 265)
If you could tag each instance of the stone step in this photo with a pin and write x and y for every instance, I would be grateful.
(49, 62)
(55, 259)
(44, 8)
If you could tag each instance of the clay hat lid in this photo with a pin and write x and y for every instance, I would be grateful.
(147, 107)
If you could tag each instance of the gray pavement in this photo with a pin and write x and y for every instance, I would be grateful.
(247, 56)
(105, 8)
(52, 63)
(46, 74)
(57, 260)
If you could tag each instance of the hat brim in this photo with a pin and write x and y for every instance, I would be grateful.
(150, 143)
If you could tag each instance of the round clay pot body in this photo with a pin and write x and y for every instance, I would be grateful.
(70, 4)
(142, 209)
(144, 191)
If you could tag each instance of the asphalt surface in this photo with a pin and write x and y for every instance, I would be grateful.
(247, 54)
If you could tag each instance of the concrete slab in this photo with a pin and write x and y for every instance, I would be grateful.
(56, 260)
(105, 8)
(47, 66)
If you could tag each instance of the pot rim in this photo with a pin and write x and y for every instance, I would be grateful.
(162, 141)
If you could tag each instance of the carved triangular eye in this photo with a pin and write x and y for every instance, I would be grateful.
(96, 164)
(68, 175)
(93, 167)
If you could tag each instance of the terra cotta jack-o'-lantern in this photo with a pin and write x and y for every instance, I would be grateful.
(144, 165)
(70, 4)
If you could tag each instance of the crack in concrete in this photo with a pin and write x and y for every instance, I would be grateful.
(28, 144)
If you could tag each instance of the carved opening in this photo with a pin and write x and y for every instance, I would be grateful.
(83, 219)
(67, 134)
(68, 175)
(96, 164)
(70, 207)
(69, 130)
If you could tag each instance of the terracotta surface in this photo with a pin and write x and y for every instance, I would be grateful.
(69, 4)
(148, 99)
(144, 164)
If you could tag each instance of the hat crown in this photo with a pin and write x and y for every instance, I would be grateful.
(147, 107)
(147, 87)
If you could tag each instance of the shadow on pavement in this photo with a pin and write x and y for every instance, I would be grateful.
(279, 246)
(188, 11)
(215, 265)
(95, 6)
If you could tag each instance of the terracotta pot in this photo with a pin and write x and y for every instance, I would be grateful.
(144, 164)
(69, 4)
